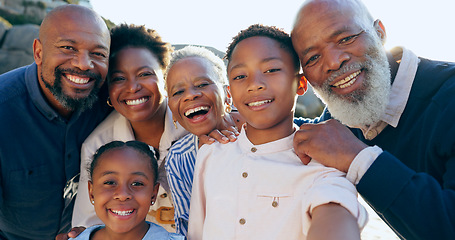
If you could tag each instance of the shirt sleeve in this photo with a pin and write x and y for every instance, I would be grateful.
(181, 192)
(331, 186)
(361, 163)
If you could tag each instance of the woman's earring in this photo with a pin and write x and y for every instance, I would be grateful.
(153, 202)
(93, 201)
(109, 102)
(175, 124)
(228, 109)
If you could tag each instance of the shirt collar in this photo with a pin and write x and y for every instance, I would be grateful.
(34, 90)
(279, 145)
(401, 86)
(399, 92)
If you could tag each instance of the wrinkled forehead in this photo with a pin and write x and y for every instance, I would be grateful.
(320, 19)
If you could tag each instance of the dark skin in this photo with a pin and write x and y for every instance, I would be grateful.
(71, 37)
(325, 45)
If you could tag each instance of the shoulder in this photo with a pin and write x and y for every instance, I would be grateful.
(184, 144)
(85, 235)
(104, 132)
(13, 84)
(157, 232)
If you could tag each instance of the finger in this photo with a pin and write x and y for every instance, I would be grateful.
(62, 236)
(204, 139)
(218, 136)
(305, 159)
(75, 232)
(230, 135)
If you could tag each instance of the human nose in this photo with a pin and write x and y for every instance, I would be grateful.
(335, 59)
(192, 94)
(123, 193)
(256, 82)
(133, 85)
(83, 61)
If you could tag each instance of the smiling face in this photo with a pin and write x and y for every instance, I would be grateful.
(263, 83)
(195, 98)
(136, 84)
(72, 58)
(122, 187)
(341, 52)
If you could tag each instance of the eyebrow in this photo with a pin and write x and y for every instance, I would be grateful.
(74, 42)
(116, 173)
(332, 36)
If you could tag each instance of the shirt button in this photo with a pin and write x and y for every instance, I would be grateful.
(253, 149)
(242, 221)
(370, 135)
(245, 175)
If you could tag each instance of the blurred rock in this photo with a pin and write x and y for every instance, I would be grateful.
(16, 48)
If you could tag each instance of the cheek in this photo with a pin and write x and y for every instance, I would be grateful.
(114, 91)
(173, 104)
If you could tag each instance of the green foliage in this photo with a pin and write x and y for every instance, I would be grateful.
(109, 23)
(72, 1)
(5, 22)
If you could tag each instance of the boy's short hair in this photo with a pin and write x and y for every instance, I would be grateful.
(219, 67)
(125, 35)
(138, 146)
(259, 30)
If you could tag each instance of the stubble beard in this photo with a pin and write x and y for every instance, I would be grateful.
(366, 105)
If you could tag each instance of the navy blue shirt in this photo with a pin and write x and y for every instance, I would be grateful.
(411, 185)
(39, 155)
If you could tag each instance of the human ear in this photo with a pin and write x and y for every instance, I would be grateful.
(156, 188)
(38, 51)
(90, 191)
(380, 30)
(303, 84)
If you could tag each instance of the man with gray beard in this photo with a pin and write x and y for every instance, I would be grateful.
(399, 146)
(47, 109)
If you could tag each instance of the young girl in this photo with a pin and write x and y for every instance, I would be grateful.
(122, 187)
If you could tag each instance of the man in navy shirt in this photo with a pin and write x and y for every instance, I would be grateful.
(47, 109)
(401, 109)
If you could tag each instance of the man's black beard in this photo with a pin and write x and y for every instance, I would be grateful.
(68, 102)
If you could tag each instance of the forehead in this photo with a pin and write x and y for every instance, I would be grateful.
(134, 56)
(124, 159)
(319, 21)
(256, 48)
(191, 67)
(77, 26)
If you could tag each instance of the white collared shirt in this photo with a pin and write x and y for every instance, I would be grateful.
(246, 191)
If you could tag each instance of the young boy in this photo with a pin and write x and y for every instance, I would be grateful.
(256, 187)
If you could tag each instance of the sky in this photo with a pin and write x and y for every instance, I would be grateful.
(425, 27)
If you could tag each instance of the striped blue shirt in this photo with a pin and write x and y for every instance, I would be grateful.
(180, 163)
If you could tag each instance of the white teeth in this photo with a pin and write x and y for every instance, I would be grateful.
(77, 80)
(258, 103)
(136, 101)
(348, 81)
(193, 110)
(122, 213)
